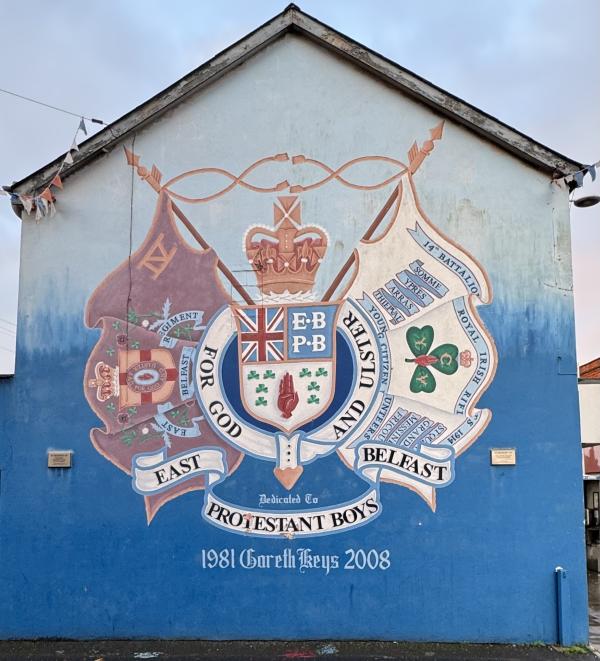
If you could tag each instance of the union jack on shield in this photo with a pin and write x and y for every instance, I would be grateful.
(262, 333)
(286, 361)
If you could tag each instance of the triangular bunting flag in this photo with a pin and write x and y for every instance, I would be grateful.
(52, 209)
(82, 126)
(57, 181)
(27, 203)
(46, 195)
(74, 146)
(38, 210)
(68, 158)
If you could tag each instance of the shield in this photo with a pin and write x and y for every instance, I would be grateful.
(286, 357)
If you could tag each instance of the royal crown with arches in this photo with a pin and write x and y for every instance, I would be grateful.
(286, 258)
(106, 381)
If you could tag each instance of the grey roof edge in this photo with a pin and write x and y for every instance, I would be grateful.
(293, 19)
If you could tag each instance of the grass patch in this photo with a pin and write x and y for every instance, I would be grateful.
(574, 649)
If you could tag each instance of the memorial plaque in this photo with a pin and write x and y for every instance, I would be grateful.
(503, 456)
(59, 459)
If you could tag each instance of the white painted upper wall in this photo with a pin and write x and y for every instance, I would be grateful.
(298, 98)
(589, 408)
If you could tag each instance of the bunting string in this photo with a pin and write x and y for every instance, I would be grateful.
(47, 105)
(43, 203)
(575, 179)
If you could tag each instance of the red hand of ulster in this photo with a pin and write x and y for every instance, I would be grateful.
(288, 397)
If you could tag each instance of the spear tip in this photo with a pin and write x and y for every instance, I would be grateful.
(133, 159)
(436, 132)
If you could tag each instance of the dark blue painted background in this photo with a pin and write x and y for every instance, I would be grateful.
(78, 560)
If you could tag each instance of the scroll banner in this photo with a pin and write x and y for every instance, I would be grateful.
(182, 432)
(430, 465)
(288, 524)
(186, 381)
(175, 320)
(446, 259)
(154, 472)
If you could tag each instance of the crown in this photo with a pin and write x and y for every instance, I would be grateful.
(106, 381)
(287, 257)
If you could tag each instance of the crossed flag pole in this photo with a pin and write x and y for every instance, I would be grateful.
(153, 177)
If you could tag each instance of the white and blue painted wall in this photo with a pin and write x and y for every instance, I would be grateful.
(79, 559)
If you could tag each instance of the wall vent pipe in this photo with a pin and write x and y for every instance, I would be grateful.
(563, 607)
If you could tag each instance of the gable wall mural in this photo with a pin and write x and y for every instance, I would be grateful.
(187, 381)
(281, 339)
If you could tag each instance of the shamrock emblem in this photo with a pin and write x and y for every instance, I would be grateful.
(261, 388)
(305, 372)
(313, 385)
(321, 372)
(313, 399)
(269, 374)
(186, 331)
(261, 401)
(253, 374)
(128, 437)
(443, 358)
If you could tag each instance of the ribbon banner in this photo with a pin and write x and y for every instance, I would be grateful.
(167, 325)
(186, 383)
(433, 466)
(162, 422)
(446, 259)
(155, 472)
(292, 523)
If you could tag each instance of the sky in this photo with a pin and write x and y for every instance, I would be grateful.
(531, 63)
